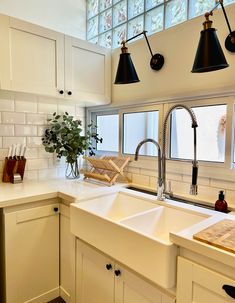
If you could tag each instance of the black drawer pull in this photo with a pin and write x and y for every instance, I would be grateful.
(56, 209)
(108, 266)
(61, 91)
(230, 290)
(117, 272)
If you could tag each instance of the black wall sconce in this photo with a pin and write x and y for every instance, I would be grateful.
(126, 72)
(210, 56)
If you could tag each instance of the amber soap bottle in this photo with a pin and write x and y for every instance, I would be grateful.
(221, 204)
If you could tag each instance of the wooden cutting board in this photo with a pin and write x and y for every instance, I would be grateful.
(221, 235)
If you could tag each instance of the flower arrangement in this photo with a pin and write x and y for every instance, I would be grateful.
(64, 137)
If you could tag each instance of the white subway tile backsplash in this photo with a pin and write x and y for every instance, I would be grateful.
(7, 141)
(41, 130)
(31, 153)
(31, 175)
(13, 118)
(141, 179)
(37, 119)
(26, 106)
(23, 120)
(47, 174)
(3, 153)
(47, 108)
(34, 141)
(43, 154)
(6, 130)
(80, 111)
(37, 164)
(71, 109)
(6, 105)
(26, 130)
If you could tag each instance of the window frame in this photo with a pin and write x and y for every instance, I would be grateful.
(139, 109)
(92, 116)
(219, 170)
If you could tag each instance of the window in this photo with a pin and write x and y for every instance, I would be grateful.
(211, 133)
(138, 126)
(109, 22)
(108, 129)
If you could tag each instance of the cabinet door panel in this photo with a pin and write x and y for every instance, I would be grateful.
(130, 288)
(35, 60)
(32, 255)
(198, 284)
(94, 283)
(67, 257)
(87, 71)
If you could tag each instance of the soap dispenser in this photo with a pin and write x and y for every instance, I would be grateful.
(221, 204)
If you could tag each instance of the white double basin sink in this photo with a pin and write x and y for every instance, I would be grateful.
(135, 231)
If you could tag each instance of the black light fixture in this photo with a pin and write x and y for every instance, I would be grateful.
(210, 56)
(126, 72)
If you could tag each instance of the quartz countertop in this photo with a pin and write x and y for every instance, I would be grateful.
(71, 190)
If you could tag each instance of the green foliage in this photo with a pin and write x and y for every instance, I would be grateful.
(64, 137)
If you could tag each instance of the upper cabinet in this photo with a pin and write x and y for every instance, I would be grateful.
(41, 61)
(87, 71)
(34, 58)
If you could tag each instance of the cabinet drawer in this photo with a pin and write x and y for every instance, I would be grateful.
(36, 213)
(197, 283)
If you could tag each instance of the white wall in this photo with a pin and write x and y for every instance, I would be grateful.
(178, 45)
(23, 119)
(66, 16)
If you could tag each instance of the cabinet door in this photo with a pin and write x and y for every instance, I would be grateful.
(198, 284)
(33, 58)
(130, 288)
(67, 257)
(87, 72)
(32, 254)
(94, 281)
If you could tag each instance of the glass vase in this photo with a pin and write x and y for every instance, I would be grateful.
(72, 170)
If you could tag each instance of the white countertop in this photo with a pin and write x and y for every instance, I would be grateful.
(30, 191)
(80, 190)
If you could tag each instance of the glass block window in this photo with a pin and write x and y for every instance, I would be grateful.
(109, 22)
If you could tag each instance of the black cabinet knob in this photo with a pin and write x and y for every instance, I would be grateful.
(61, 92)
(117, 272)
(230, 290)
(56, 209)
(108, 266)
(69, 93)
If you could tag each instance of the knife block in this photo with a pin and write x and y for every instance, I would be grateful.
(11, 167)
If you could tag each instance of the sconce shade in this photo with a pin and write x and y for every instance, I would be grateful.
(209, 56)
(126, 72)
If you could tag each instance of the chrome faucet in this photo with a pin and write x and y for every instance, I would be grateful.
(193, 187)
(162, 190)
(160, 179)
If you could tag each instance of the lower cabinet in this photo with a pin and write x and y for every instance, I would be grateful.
(31, 244)
(67, 256)
(196, 283)
(101, 279)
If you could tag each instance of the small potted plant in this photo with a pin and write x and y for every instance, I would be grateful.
(64, 137)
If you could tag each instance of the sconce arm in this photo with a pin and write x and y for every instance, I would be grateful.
(220, 2)
(142, 33)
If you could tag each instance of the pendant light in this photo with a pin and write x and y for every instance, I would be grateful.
(209, 55)
(126, 72)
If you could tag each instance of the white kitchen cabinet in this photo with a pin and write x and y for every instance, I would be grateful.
(101, 279)
(32, 57)
(31, 238)
(67, 256)
(196, 283)
(37, 60)
(87, 72)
